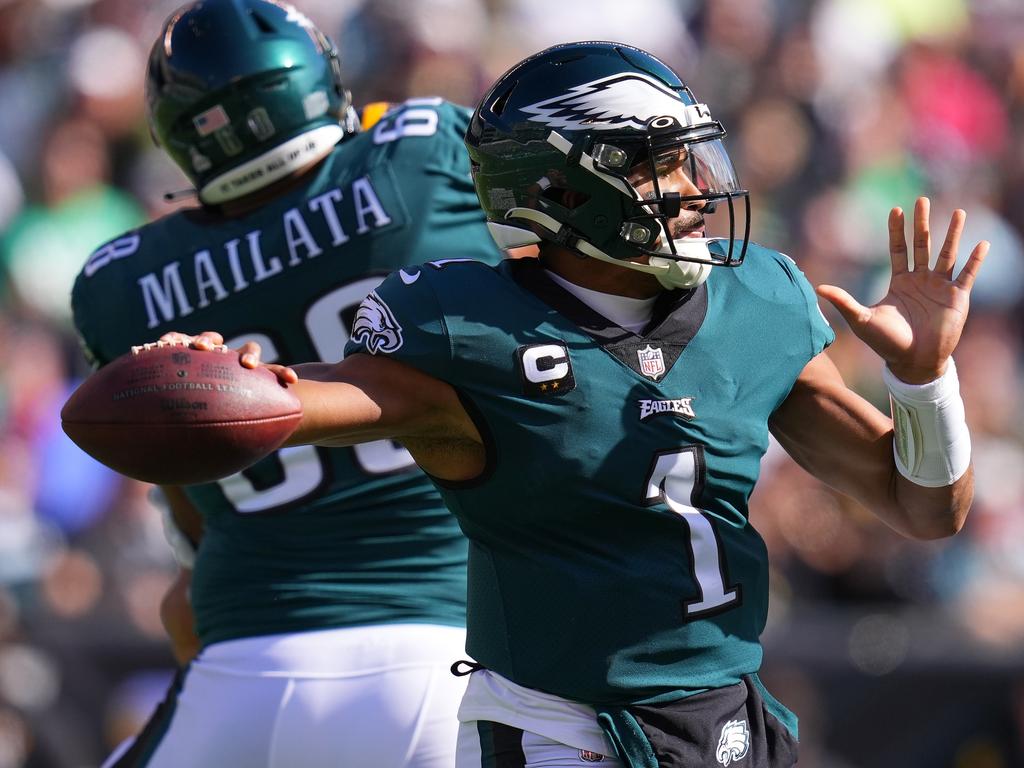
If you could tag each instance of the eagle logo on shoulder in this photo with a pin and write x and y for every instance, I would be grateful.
(734, 742)
(629, 100)
(375, 326)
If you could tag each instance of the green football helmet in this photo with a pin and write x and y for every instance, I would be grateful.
(240, 93)
(601, 148)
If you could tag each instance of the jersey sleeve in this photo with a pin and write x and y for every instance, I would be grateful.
(84, 317)
(424, 142)
(454, 123)
(457, 221)
(403, 320)
(821, 333)
(459, 203)
(101, 330)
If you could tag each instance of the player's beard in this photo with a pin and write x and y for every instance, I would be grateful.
(685, 223)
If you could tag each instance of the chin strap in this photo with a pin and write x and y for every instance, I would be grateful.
(680, 274)
(671, 273)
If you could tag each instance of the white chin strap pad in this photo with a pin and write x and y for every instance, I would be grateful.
(684, 274)
(679, 274)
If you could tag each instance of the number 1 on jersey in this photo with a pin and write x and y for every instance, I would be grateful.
(676, 480)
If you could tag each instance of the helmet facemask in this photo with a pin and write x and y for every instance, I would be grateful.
(603, 150)
(679, 195)
(680, 180)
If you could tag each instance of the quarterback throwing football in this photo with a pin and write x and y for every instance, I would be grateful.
(595, 418)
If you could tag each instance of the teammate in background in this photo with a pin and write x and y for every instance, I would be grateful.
(596, 418)
(329, 584)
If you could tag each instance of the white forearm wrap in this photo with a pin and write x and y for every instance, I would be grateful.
(182, 548)
(931, 444)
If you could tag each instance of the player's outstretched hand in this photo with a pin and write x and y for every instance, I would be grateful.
(918, 323)
(248, 354)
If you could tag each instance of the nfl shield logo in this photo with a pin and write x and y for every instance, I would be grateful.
(652, 363)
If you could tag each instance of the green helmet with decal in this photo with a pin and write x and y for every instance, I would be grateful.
(241, 93)
(601, 148)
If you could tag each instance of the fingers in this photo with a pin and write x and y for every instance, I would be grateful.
(922, 234)
(852, 310)
(208, 340)
(284, 374)
(205, 340)
(947, 254)
(897, 241)
(970, 271)
(250, 354)
(173, 337)
(946, 259)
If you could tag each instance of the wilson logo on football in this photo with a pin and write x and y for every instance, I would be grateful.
(375, 326)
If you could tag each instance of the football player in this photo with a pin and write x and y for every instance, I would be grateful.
(329, 584)
(596, 418)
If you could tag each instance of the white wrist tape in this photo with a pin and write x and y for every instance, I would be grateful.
(182, 548)
(931, 445)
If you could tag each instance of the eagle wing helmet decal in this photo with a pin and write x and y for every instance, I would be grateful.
(625, 100)
(376, 327)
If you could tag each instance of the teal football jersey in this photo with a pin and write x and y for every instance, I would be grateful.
(611, 558)
(309, 538)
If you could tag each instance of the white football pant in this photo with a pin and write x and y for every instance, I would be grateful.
(362, 697)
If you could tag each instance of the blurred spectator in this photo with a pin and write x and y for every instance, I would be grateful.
(103, 70)
(132, 703)
(11, 194)
(391, 49)
(48, 242)
(522, 27)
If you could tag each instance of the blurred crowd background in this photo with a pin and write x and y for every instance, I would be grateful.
(894, 653)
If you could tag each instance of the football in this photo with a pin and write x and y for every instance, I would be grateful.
(172, 415)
